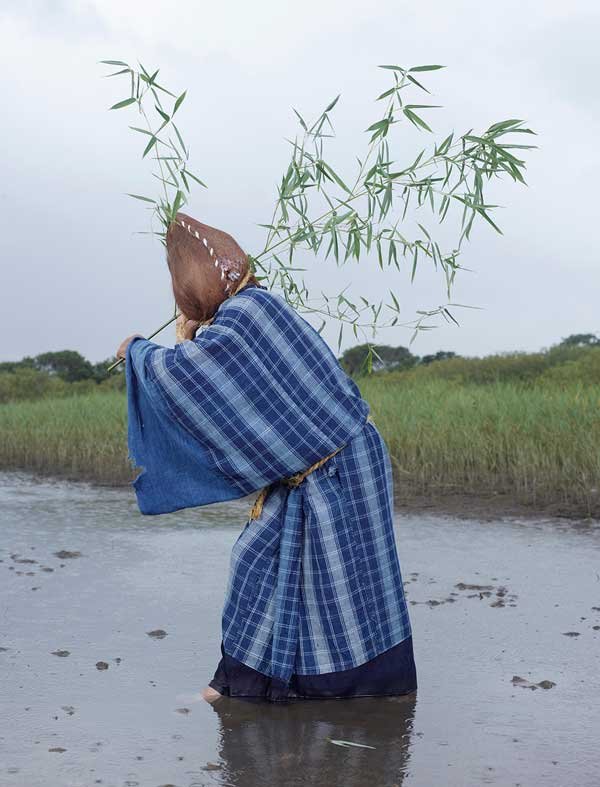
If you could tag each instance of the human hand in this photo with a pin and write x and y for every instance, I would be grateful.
(185, 329)
(122, 351)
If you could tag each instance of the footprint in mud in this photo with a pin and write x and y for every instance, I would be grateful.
(157, 634)
(68, 709)
(183, 711)
(62, 653)
(66, 554)
(467, 586)
(101, 665)
(58, 749)
(543, 684)
(481, 592)
(571, 633)
(594, 628)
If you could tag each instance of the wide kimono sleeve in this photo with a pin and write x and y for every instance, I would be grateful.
(175, 471)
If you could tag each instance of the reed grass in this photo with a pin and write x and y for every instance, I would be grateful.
(539, 445)
(77, 437)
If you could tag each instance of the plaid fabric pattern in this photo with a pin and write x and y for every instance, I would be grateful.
(259, 390)
(315, 584)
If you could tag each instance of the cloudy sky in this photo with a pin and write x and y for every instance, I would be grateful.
(76, 275)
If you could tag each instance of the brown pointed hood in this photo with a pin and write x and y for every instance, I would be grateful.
(206, 266)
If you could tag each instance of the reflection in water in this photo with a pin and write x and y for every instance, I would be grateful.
(488, 601)
(289, 744)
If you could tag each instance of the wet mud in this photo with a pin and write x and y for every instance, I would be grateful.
(101, 667)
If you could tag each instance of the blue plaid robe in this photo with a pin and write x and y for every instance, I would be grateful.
(315, 584)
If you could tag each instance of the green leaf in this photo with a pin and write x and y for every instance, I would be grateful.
(336, 177)
(193, 177)
(417, 83)
(114, 63)
(149, 146)
(394, 68)
(179, 101)
(424, 68)
(415, 119)
(124, 103)
(179, 200)
(482, 213)
(180, 138)
(340, 336)
(118, 73)
(386, 93)
(142, 130)
(163, 114)
(301, 119)
(333, 103)
(378, 124)
(144, 199)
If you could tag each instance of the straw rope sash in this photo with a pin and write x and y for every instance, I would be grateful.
(292, 481)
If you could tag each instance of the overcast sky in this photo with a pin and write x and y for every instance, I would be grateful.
(74, 273)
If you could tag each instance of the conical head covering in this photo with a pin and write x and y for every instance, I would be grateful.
(206, 266)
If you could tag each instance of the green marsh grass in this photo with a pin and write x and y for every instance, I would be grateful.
(78, 437)
(540, 445)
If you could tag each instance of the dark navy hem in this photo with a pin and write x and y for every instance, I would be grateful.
(390, 673)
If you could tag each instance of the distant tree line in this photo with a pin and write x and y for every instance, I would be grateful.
(67, 372)
(386, 358)
(68, 365)
(395, 359)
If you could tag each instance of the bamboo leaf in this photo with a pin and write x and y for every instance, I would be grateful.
(333, 103)
(118, 73)
(424, 68)
(179, 137)
(301, 119)
(162, 113)
(124, 103)
(142, 130)
(415, 119)
(417, 83)
(149, 146)
(179, 101)
(144, 199)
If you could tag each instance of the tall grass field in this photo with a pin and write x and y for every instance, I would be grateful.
(538, 444)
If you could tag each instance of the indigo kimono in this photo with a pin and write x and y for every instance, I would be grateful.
(315, 584)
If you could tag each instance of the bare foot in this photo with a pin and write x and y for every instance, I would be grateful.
(210, 695)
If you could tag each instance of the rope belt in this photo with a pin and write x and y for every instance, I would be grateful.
(292, 481)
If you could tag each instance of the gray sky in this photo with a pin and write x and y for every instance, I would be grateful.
(74, 274)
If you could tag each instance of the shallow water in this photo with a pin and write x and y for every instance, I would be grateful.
(67, 719)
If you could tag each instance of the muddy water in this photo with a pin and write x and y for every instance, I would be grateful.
(109, 625)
